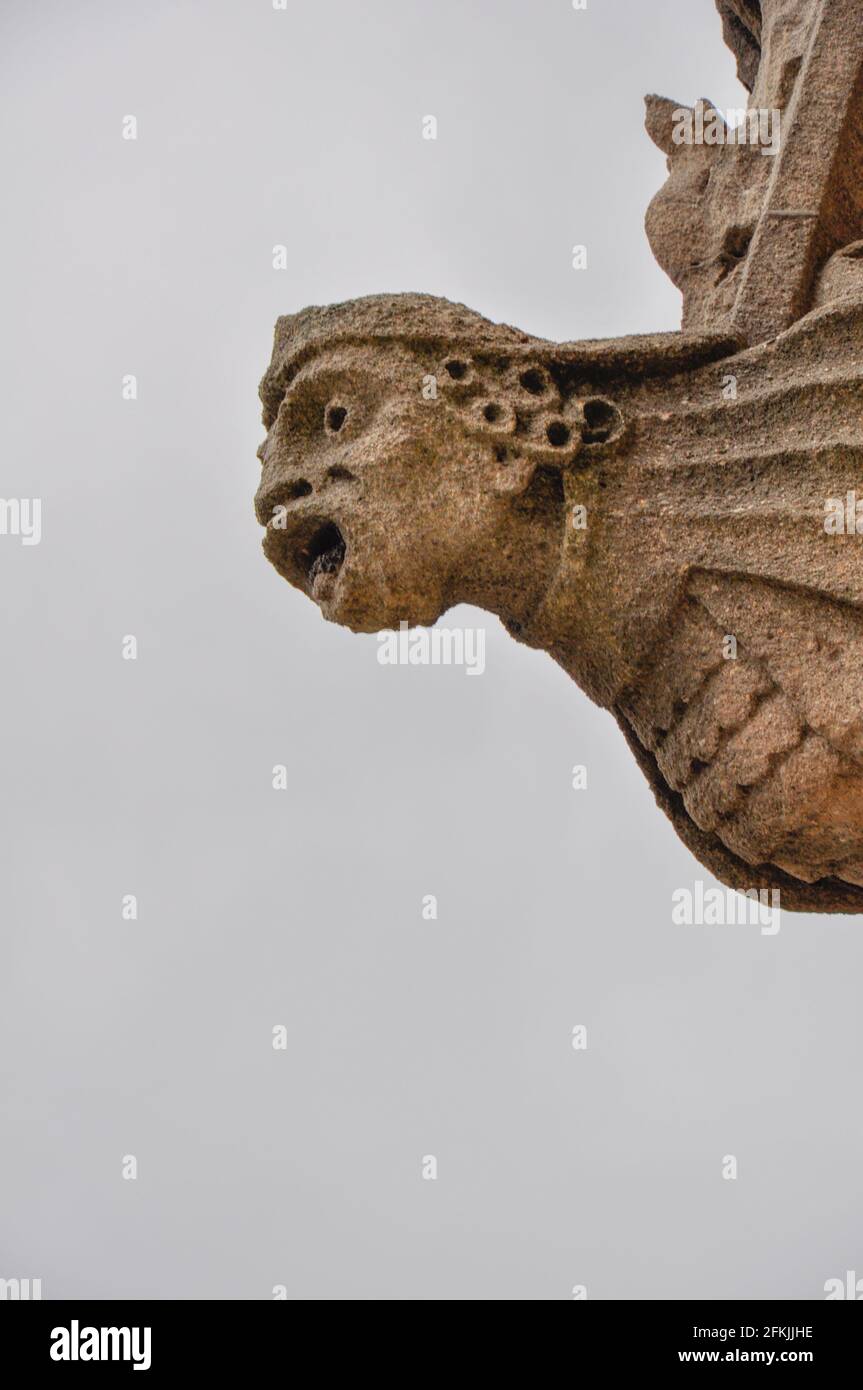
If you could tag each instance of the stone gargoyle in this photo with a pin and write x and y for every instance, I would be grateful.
(673, 517)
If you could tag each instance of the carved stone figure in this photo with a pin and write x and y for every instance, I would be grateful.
(673, 517)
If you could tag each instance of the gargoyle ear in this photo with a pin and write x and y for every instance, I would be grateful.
(660, 117)
(513, 475)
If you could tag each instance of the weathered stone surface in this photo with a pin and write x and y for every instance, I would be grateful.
(630, 506)
(743, 233)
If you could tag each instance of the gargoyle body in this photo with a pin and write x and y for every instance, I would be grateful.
(673, 518)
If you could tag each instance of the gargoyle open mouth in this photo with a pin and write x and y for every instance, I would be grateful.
(324, 554)
(309, 556)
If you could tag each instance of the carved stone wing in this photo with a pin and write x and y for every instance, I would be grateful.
(749, 726)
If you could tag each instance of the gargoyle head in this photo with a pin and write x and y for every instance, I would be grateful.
(415, 458)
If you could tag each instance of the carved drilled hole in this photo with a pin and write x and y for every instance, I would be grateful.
(558, 434)
(457, 369)
(735, 248)
(601, 421)
(491, 412)
(737, 243)
(339, 474)
(533, 381)
(500, 453)
(335, 417)
(298, 489)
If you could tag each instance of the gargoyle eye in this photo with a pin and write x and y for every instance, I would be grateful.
(334, 418)
(602, 421)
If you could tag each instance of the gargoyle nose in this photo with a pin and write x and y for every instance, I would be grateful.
(279, 494)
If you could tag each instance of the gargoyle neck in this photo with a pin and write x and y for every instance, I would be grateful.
(570, 622)
(705, 481)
